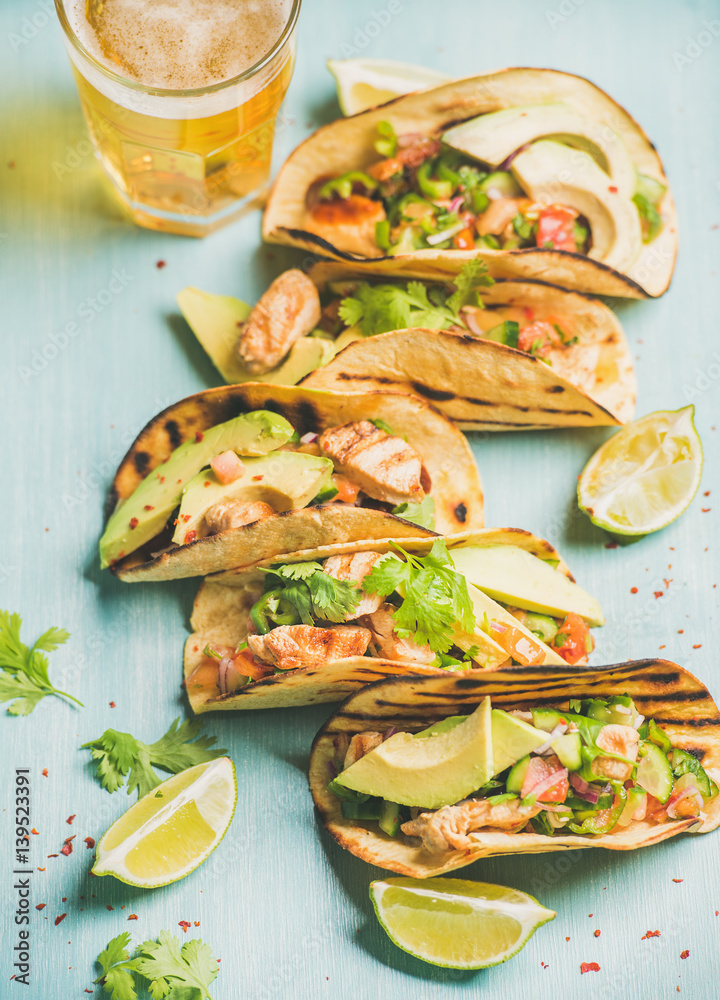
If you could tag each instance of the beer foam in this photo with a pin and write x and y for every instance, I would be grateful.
(178, 44)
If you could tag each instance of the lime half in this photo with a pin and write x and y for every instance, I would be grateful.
(172, 829)
(365, 83)
(456, 923)
(645, 476)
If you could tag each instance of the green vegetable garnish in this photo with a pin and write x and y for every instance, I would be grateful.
(506, 332)
(422, 513)
(24, 677)
(432, 189)
(304, 593)
(119, 753)
(342, 186)
(172, 970)
(649, 217)
(386, 145)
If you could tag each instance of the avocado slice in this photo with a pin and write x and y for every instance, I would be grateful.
(144, 514)
(286, 480)
(556, 174)
(511, 737)
(516, 577)
(491, 654)
(215, 320)
(430, 772)
(493, 137)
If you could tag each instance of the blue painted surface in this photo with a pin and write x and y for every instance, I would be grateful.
(286, 910)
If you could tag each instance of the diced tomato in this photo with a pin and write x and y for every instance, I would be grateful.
(524, 649)
(247, 666)
(573, 640)
(464, 240)
(538, 770)
(540, 333)
(555, 227)
(347, 489)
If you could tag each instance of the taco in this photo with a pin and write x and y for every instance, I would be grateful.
(517, 763)
(495, 356)
(538, 173)
(234, 475)
(312, 626)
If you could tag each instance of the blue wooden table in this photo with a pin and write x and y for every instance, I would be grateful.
(92, 346)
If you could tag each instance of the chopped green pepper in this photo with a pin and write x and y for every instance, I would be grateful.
(271, 610)
(432, 188)
(382, 234)
(603, 820)
(387, 144)
(342, 186)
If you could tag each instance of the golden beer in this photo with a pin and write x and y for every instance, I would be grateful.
(181, 99)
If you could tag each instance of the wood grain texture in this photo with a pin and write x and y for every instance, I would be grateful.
(287, 910)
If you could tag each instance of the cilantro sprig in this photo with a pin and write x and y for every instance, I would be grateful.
(172, 970)
(421, 513)
(119, 754)
(381, 308)
(435, 595)
(301, 593)
(24, 680)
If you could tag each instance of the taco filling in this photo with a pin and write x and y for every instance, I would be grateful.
(591, 769)
(541, 176)
(402, 607)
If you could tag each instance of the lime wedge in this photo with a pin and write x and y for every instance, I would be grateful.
(456, 923)
(172, 829)
(645, 476)
(365, 83)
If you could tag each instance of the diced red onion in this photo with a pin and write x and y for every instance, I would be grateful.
(498, 627)
(391, 732)
(548, 782)
(585, 790)
(456, 202)
(623, 709)
(638, 722)
(472, 325)
(228, 677)
(309, 438)
(557, 731)
(508, 159)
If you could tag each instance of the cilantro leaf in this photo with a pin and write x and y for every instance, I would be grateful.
(473, 276)
(117, 968)
(298, 571)
(118, 754)
(24, 679)
(176, 972)
(422, 513)
(313, 593)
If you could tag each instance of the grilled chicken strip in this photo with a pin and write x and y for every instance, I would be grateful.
(227, 514)
(355, 567)
(386, 641)
(384, 466)
(349, 222)
(361, 744)
(293, 646)
(288, 310)
(448, 828)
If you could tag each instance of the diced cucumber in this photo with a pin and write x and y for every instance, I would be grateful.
(546, 718)
(618, 710)
(636, 797)
(506, 332)
(654, 773)
(361, 810)
(502, 182)
(389, 821)
(543, 626)
(650, 188)
(651, 731)
(569, 750)
(684, 763)
(516, 777)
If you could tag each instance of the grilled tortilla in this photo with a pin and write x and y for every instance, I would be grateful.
(220, 618)
(661, 690)
(348, 145)
(455, 482)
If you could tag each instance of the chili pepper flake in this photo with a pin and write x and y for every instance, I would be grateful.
(161, 264)
(677, 880)
(67, 848)
(199, 436)
(184, 924)
(680, 631)
(589, 914)
(633, 590)
(706, 510)
(661, 647)
(612, 545)
(190, 536)
(133, 523)
(667, 583)
(109, 907)
(589, 967)
(41, 906)
(148, 506)
(649, 934)
(658, 593)
(89, 843)
(258, 478)
(59, 920)
(52, 855)
(133, 916)
(186, 517)
(70, 819)
(567, 938)
(612, 189)
(698, 645)
(41, 869)
(196, 922)
(36, 832)
(44, 772)
(596, 933)
(684, 954)
(112, 704)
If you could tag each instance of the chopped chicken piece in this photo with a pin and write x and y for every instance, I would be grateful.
(409, 156)
(227, 514)
(448, 828)
(355, 567)
(387, 642)
(349, 222)
(288, 310)
(622, 740)
(386, 467)
(499, 214)
(293, 646)
(361, 744)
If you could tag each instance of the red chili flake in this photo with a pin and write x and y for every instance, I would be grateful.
(667, 582)
(161, 478)
(706, 510)
(41, 869)
(59, 919)
(612, 545)
(680, 631)
(44, 772)
(199, 436)
(567, 938)
(41, 906)
(544, 965)
(698, 645)
(133, 523)
(258, 478)
(186, 517)
(706, 493)
(596, 933)
(112, 704)
(66, 848)
(589, 914)
(196, 922)
(612, 189)
(658, 593)
(148, 506)
(589, 967)
(70, 819)
(52, 855)
(89, 843)
(677, 880)
(36, 832)
(633, 590)
(133, 916)
(160, 265)
(717, 912)
(650, 934)
(661, 647)
(684, 954)
(184, 924)
(108, 907)
(207, 482)
(190, 536)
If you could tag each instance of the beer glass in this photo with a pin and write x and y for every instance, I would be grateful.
(185, 160)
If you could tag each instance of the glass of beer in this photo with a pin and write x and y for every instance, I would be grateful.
(181, 98)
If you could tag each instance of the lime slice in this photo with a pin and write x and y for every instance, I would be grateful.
(645, 475)
(456, 923)
(172, 829)
(365, 83)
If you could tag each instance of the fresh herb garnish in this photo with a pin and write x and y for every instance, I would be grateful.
(387, 144)
(173, 971)
(119, 753)
(24, 678)
(435, 595)
(422, 513)
(448, 662)
(304, 592)
(381, 308)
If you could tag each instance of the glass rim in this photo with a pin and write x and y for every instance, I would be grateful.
(212, 88)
